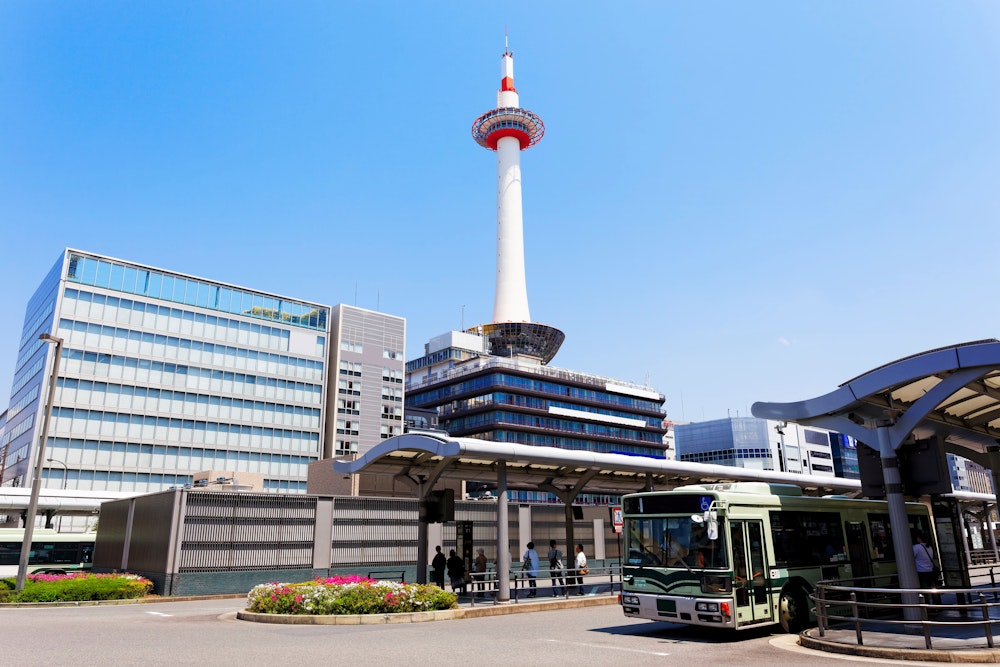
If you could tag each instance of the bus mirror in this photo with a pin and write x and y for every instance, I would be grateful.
(697, 518)
(713, 524)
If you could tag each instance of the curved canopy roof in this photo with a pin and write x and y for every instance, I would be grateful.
(433, 455)
(952, 392)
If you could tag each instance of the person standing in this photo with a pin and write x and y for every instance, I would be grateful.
(530, 568)
(580, 568)
(923, 556)
(556, 568)
(438, 565)
(456, 572)
(479, 572)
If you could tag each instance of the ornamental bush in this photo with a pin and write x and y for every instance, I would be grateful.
(347, 595)
(75, 587)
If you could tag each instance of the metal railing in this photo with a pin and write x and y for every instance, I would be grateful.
(485, 584)
(873, 604)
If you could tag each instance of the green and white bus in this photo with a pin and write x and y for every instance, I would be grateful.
(51, 552)
(744, 554)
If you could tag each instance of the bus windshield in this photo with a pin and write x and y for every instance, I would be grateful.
(674, 542)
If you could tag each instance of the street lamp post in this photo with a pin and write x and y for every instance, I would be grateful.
(36, 481)
(65, 471)
(62, 486)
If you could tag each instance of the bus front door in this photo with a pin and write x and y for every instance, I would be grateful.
(858, 553)
(753, 604)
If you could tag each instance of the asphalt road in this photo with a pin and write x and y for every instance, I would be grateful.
(206, 632)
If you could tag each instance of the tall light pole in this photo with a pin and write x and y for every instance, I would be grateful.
(62, 486)
(36, 481)
(65, 471)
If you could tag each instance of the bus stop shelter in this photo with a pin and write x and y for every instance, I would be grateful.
(950, 393)
(424, 458)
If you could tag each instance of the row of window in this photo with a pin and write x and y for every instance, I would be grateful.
(27, 353)
(83, 334)
(732, 457)
(193, 292)
(493, 380)
(17, 429)
(30, 330)
(126, 426)
(151, 316)
(346, 447)
(535, 403)
(577, 444)
(146, 399)
(22, 403)
(27, 376)
(146, 372)
(500, 417)
(76, 451)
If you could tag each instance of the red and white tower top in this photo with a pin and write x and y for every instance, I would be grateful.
(508, 119)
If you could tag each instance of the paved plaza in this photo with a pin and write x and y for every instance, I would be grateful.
(207, 632)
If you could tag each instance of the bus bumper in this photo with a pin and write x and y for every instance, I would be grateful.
(709, 612)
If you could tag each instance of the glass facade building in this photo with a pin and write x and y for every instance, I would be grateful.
(763, 444)
(164, 375)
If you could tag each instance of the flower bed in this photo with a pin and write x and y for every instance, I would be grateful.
(347, 595)
(76, 587)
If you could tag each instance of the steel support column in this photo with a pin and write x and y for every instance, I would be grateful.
(503, 536)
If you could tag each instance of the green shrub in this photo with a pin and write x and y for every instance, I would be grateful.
(347, 595)
(76, 586)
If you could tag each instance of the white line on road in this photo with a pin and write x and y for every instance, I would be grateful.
(610, 648)
(158, 613)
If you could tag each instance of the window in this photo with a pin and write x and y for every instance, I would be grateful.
(807, 538)
(346, 447)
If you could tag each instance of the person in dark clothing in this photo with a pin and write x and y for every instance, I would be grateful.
(438, 564)
(456, 571)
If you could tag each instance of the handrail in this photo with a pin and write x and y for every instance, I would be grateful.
(486, 583)
(872, 606)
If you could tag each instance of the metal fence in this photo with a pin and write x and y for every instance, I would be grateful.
(234, 531)
(874, 604)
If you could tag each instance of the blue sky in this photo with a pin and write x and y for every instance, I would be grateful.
(733, 201)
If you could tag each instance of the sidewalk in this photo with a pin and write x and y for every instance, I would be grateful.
(955, 637)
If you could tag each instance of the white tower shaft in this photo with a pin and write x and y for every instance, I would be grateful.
(510, 302)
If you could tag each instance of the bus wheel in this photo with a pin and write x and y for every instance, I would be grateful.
(793, 610)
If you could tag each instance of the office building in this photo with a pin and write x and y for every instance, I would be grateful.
(165, 375)
(518, 399)
(366, 379)
(764, 444)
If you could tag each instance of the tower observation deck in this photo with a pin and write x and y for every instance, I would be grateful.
(508, 129)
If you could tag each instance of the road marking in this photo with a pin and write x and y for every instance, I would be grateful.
(158, 613)
(610, 648)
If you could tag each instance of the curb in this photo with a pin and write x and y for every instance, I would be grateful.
(966, 656)
(95, 603)
(428, 616)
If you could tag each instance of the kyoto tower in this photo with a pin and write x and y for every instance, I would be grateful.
(508, 129)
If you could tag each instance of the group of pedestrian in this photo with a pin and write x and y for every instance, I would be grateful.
(563, 578)
(454, 565)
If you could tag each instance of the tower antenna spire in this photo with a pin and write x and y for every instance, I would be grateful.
(506, 41)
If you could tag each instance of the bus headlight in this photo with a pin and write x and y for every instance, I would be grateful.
(630, 599)
(706, 606)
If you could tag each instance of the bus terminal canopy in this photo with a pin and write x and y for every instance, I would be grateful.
(950, 392)
(427, 457)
